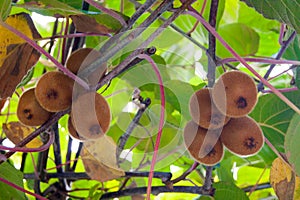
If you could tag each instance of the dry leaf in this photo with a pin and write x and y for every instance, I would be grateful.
(282, 179)
(15, 132)
(15, 66)
(23, 23)
(2, 103)
(16, 57)
(88, 24)
(297, 188)
(99, 159)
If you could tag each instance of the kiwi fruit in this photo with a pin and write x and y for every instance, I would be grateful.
(235, 94)
(82, 58)
(202, 144)
(91, 115)
(242, 136)
(54, 91)
(29, 111)
(204, 112)
(72, 131)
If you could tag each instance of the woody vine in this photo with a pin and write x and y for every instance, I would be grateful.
(97, 53)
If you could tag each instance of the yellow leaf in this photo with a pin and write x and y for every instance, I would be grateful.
(23, 23)
(99, 159)
(282, 179)
(15, 132)
(297, 188)
(15, 66)
(16, 56)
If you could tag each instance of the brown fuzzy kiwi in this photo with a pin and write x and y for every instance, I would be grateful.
(91, 115)
(54, 91)
(82, 58)
(204, 112)
(72, 131)
(242, 136)
(202, 144)
(235, 94)
(29, 111)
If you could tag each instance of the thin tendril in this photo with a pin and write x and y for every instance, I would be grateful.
(161, 120)
(26, 150)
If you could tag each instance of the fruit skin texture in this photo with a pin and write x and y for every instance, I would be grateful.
(242, 136)
(202, 144)
(29, 111)
(204, 112)
(235, 94)
(72, 131)
(54, 91)
(82, 58)
(91, 115)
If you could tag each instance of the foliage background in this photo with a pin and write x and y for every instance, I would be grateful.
(183, 66)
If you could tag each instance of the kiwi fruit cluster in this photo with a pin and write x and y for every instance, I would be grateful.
(90, 114)
(29, 111)
(220, 118)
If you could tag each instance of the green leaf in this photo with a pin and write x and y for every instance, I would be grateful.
(5, 7)
(297, 77)
(179, 96)
(273, 115)
(8, 172)
(227, 190)
(293, 53)
(242, 38)
(292, 141)
(250, 17)
(285, 11)
(108, 21)
(143, 73)
(26, 78)
(293, 50)
(268, 30)
(49, 7)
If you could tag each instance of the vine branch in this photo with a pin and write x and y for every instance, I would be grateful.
(284, 46)
(154, 190)
(240, 59)
(123, 139)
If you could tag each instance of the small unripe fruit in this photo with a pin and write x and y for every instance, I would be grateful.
(242, 136)
(29, 111)
(235, 94)
(91, 115)
(54, 91)
(202, 144)
(204, 112)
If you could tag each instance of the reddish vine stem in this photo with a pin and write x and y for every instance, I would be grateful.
(48, 55)
(261, 60)
(27, 150)
(74, 35)
(38, 131)
(129, 38)
(284, 46)
(161, 119)
(197, 22)
(240, 59)
(21, 189)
